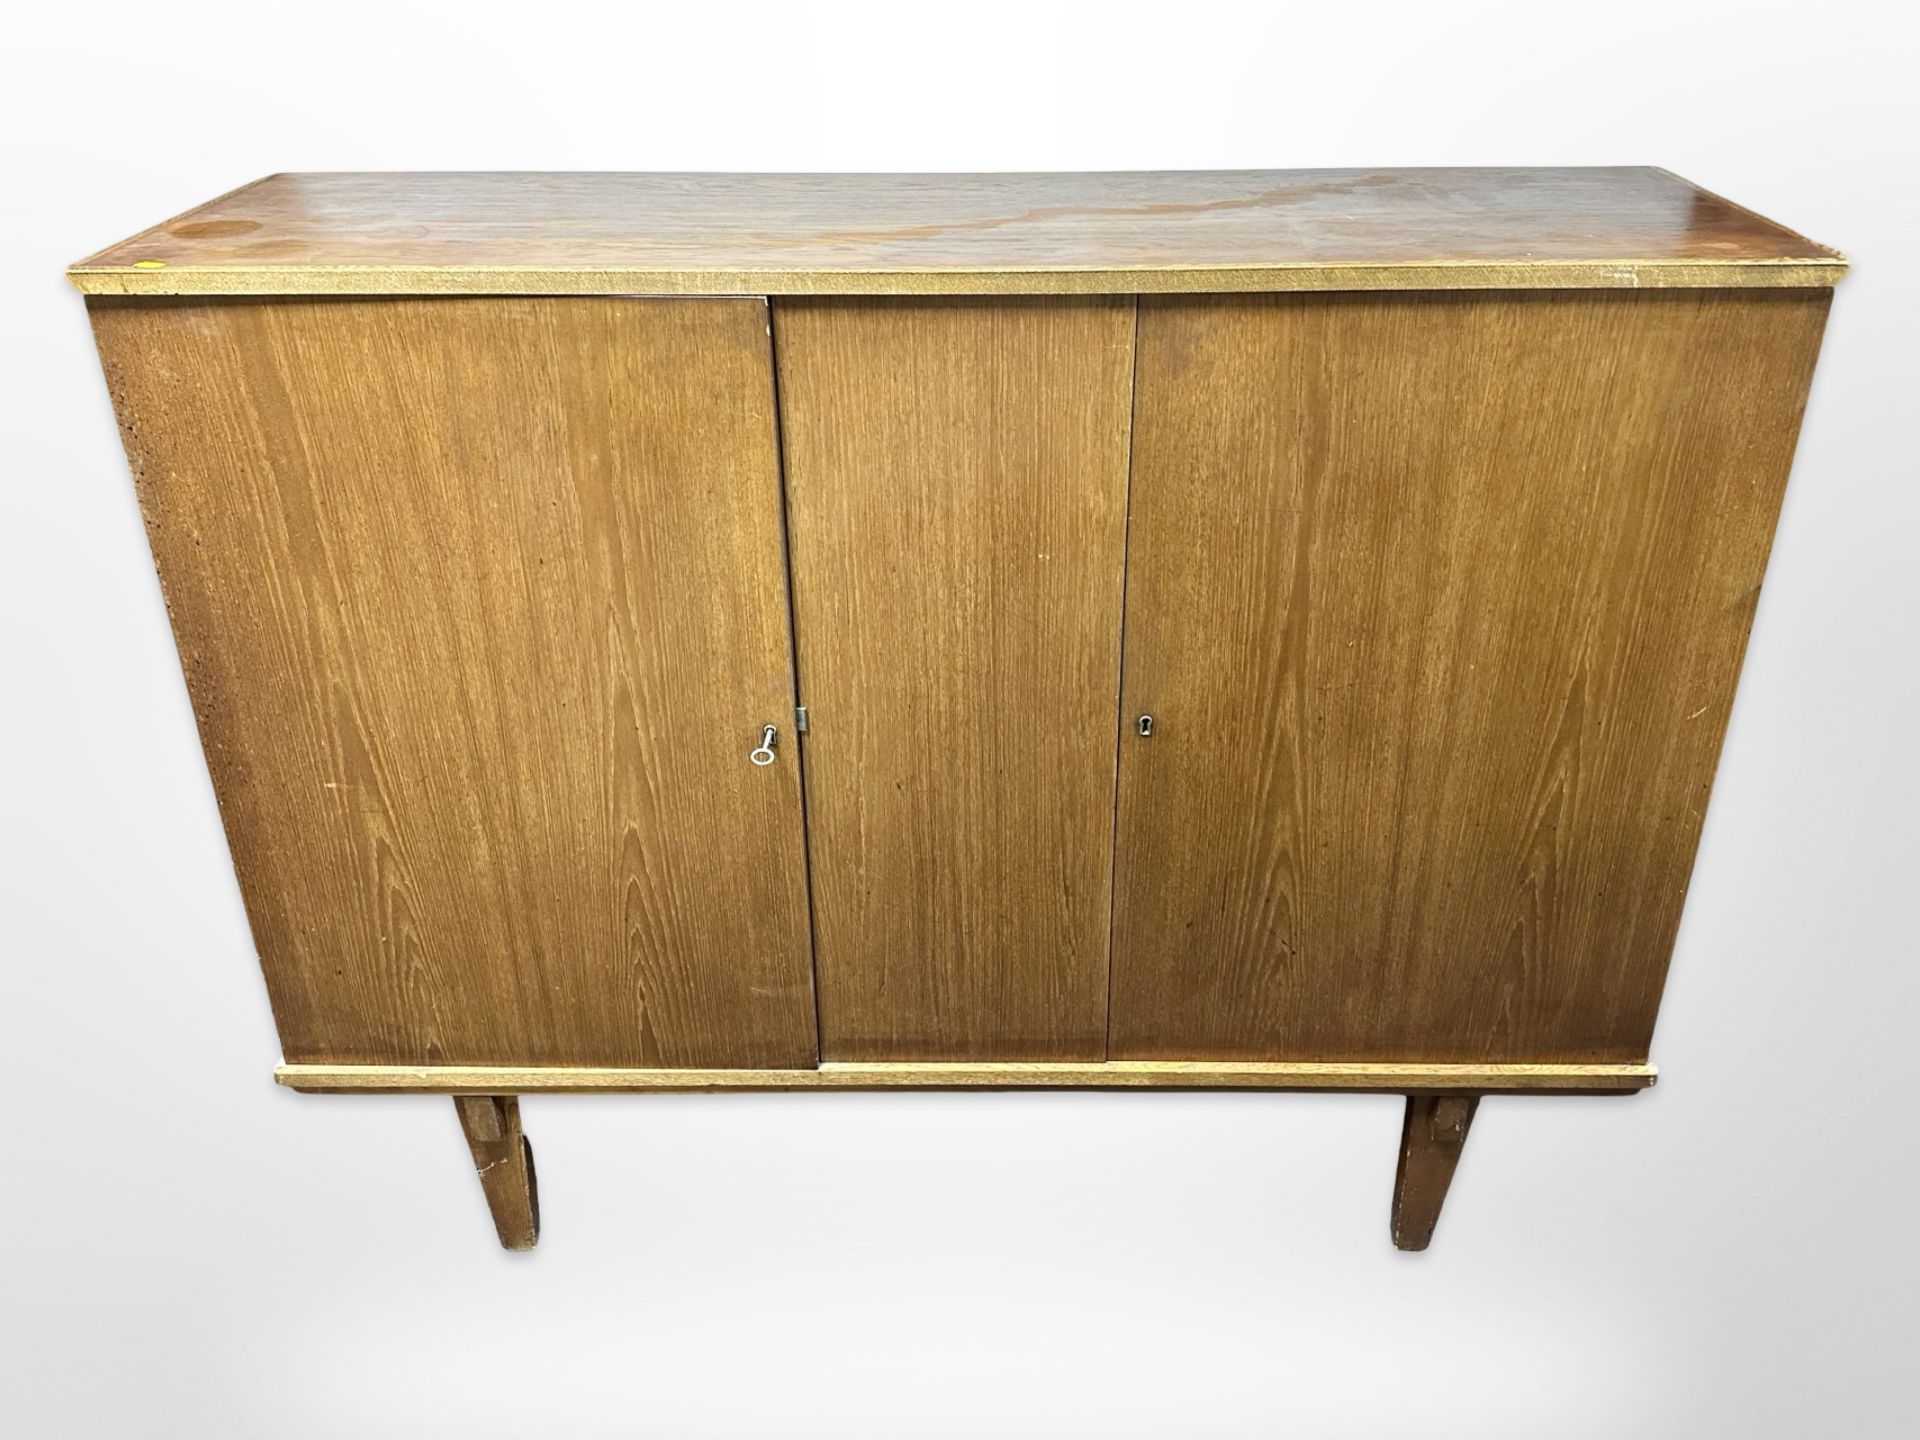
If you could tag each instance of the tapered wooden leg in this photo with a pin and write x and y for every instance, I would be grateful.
(504, 1161)
(1430, 1143)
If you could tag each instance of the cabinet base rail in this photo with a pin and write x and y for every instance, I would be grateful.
(987, 1075)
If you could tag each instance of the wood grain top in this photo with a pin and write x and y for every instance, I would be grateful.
(1113, 233)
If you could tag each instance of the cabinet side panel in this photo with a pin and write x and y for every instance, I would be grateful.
(1439, 603)
(481, 606)
(956, 479)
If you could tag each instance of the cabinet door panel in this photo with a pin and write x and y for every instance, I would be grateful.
(956, 476)
(1438, 603)
(482, 605)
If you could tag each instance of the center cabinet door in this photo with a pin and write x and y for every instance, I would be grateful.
(957, 477)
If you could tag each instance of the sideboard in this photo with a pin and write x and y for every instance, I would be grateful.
(1183, 630)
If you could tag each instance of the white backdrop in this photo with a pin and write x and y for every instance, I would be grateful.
(191, 1252)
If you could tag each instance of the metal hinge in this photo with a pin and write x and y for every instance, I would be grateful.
(799, 719)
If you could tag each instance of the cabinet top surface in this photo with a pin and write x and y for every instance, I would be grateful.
(1108, 232)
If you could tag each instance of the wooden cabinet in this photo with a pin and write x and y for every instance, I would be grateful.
(1263, 630)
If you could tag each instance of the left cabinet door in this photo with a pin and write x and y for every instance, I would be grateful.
(482, 605)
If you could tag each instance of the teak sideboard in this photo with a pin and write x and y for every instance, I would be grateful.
(694, 632)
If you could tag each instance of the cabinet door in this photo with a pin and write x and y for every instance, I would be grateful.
(1437, 602)
(482, 607)
(956, 477)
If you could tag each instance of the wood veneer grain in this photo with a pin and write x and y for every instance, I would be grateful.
(1439, 603)
(956, 478)
(481, 606)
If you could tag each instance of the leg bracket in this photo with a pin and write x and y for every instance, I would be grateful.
(1431, 1139)
(504, 1161)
